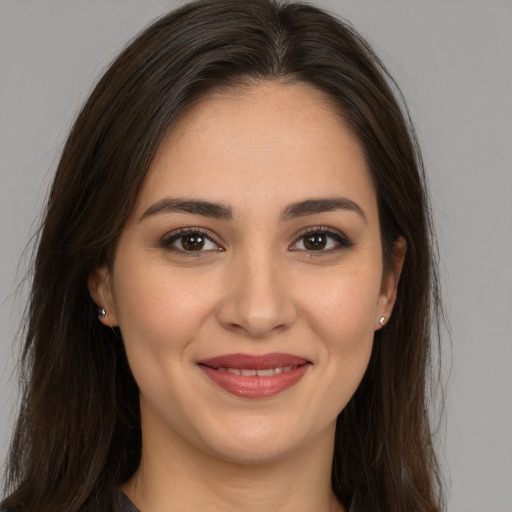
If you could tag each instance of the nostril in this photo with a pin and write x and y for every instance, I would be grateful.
(256, 304)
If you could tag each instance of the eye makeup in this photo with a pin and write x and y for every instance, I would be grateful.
(195, 241)
(190, 241)
(321, 240)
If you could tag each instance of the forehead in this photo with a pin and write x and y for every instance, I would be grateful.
(271, 141)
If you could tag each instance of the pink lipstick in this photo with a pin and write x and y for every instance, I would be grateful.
(255, 376)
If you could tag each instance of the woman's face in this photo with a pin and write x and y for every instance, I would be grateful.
(248, 282)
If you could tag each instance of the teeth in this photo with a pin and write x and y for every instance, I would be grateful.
(266, 373)
(250, 372)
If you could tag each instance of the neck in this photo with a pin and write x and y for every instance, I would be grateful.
(179, 477)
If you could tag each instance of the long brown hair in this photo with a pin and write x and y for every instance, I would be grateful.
(78, 432)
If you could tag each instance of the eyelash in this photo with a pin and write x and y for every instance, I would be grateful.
(168, 241)
(341, 241)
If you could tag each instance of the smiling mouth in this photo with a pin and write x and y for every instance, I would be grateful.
(255, 376)
(250, 372)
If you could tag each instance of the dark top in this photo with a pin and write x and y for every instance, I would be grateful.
(125, 504)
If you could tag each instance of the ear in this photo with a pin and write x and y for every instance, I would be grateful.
(389, 284)
(100, 288)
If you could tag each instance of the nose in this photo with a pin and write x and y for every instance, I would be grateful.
(258, 301)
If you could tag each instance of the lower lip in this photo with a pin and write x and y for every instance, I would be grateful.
(255, 386)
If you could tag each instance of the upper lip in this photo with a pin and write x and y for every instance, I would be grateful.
(254, 362)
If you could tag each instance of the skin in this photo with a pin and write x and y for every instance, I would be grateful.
(255, 288)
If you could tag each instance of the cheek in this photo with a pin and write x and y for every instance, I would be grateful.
(344, 303)
(159, 313)
(344, 320)
(158, 310)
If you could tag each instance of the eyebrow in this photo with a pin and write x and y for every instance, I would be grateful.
(193, 206)
(223, 212)
(321, 205)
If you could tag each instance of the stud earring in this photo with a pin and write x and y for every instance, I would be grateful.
(382, 321)
(102, 313)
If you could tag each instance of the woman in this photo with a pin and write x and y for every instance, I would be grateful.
(234, 286)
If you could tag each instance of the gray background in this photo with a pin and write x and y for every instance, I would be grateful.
(453, 60)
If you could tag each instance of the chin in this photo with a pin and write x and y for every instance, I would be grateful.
(255, 442)
(254, 453)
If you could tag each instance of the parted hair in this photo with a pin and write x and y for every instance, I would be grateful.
(78, 433)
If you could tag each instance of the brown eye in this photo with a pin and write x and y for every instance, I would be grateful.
(321, 240)
(192, 242)
(189, 241)
(315, 241)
